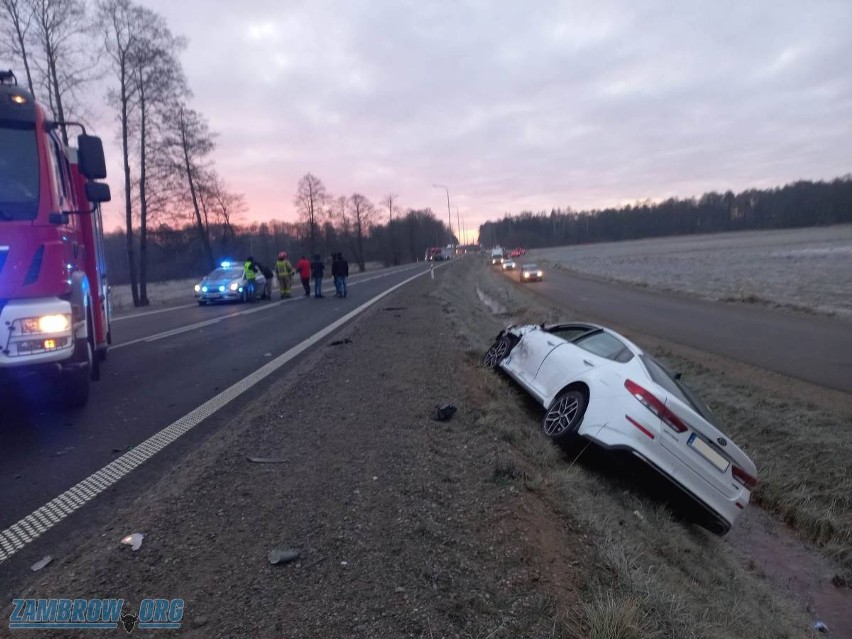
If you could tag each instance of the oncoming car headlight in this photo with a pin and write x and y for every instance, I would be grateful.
(55, 323)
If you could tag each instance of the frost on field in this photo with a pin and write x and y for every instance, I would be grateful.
(807, 268)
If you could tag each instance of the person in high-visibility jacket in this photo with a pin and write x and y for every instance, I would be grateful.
(284, 271)
(249, 273)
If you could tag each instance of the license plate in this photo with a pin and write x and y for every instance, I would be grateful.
(708, 452)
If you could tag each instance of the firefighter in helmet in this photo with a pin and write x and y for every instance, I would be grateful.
(284, 271)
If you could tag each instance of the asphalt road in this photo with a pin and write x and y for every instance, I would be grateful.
(161, 366)
(813, 348)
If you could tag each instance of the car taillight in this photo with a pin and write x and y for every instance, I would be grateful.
(743, 477)
(653, 404)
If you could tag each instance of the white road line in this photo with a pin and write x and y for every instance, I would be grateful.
(145, 314)
(18, 535)
(215, 320)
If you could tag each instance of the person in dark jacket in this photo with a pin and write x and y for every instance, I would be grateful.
(317, 272)
(342, 275)
(335, 273)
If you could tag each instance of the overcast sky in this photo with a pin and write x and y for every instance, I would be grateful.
(522, 105)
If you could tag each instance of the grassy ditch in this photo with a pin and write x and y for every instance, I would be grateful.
(802, 450)
(645, 573)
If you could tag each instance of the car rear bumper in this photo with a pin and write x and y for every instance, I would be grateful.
(619, 433)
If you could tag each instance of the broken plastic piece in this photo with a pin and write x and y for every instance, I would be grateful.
(41, 563)
(266, 460)
(443, 413)
(277, 556)
(819, 626)
(134, 540)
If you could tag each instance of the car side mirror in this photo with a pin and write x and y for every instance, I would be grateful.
(90, 157)
(98, 192)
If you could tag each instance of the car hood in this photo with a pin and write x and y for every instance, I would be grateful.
(219, 282)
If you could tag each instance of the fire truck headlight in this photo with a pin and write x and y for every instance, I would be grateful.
(54, 323)
(46, 324)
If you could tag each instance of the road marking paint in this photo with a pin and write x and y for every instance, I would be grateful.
(145, 314)
(31, 527)
(215, 320)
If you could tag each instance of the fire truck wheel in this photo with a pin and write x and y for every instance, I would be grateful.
(95, 358)
(75, 384)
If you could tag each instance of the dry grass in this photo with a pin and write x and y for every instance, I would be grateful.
(646, 574)
(802, 454)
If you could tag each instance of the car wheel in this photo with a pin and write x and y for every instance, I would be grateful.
(498, 352)
(565, 415)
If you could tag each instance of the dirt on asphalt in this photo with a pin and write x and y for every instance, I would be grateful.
(409, 527)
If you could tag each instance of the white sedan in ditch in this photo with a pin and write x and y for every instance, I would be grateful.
(596, 384)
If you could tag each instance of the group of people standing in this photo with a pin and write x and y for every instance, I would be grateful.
(312, 269)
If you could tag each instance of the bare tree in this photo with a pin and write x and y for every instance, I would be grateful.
(190, 142)
(388, 202)
(226, 206)
(311, 199)
(116, 19)
(362, 215)
(59, 28)
(159, 82)
(15, 32)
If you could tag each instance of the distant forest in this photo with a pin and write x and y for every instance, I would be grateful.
(799, 204)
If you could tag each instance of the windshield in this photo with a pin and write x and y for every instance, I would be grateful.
(530, 267)
(18, 173)
(232, 273)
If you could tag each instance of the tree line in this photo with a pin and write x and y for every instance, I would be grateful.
(801, 203)
(176, 252)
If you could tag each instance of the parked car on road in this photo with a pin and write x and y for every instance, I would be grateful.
(596, 384)
(228, 284)
(531, 273)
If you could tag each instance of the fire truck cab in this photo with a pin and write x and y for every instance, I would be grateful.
(54, 293)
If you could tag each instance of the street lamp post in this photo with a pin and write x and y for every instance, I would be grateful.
(460, 228)
(449, 214)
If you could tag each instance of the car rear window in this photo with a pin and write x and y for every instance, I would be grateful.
(677, 388)
(605, 345)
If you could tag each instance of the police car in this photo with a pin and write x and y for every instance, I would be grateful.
(227, 283)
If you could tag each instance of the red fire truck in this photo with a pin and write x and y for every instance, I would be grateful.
(54, 294)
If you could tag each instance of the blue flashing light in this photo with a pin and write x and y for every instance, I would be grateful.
(204, 289)
(222, 289)
(226, 264)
